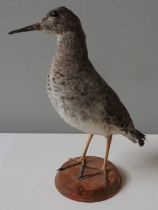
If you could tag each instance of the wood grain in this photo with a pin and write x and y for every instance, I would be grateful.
(91, 188)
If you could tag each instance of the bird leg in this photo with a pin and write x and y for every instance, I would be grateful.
(103, 169)
(81, 160)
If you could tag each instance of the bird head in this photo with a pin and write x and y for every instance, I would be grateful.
(56, 21)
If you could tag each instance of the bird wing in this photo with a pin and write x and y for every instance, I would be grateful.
(115, 112)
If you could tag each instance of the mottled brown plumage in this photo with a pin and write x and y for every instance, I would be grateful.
(76, 90)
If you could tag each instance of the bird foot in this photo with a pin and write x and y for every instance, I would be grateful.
(82, 176)
(98, 173)
(78, 161)
(90, 175)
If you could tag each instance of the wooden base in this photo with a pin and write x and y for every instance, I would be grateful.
(88, 189)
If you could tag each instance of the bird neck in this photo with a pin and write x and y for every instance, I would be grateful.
(72, 44)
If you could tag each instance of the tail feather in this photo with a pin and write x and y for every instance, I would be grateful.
(137, 136)
(140, 137)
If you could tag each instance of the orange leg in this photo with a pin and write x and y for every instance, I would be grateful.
(81, 160)
(103, 169)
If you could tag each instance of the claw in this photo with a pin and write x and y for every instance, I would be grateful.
(86, 176)
(72, 159)
(60, 169)
(69, 166)
(80, 177)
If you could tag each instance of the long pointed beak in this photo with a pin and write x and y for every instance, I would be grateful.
(34, 27)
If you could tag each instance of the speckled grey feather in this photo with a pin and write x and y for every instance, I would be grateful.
(77, 92)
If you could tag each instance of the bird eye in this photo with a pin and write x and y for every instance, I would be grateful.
(54, 14)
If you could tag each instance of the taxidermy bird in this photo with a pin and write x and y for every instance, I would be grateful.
(76, 90)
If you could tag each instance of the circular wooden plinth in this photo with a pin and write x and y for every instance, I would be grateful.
(90, 188)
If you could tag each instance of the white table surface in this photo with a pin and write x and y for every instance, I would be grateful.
(28, 164)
